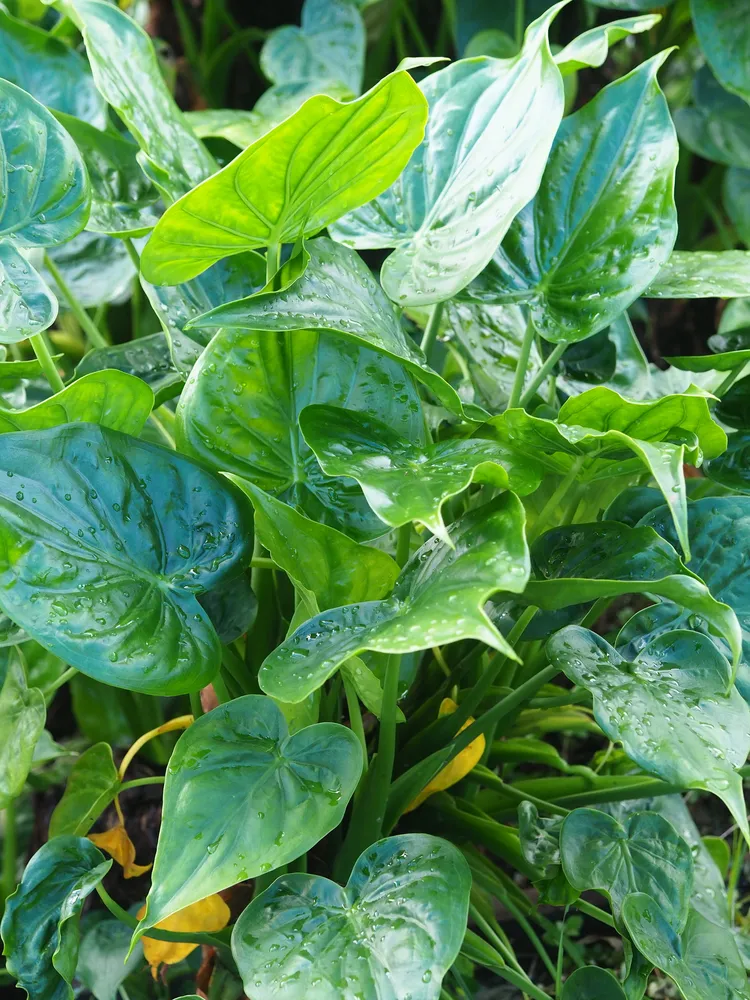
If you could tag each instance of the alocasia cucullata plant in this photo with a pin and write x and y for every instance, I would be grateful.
(371, 532)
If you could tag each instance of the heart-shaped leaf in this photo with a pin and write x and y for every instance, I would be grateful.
(48, 69)
(591, 48)
(243, 797)
(703, 960)
(92, 784)
(672, 707)
(335, 292)
(239, 412)
(40, 924)
(438, 598)
(591, 983)
(490, 127)
(298, 178)
(27, 306)
(404, 480)
(398, 925)
(579, 253)
(702, 274)
(106, 540)
(317, 558)
(102, 964)
(147, 358)
(724, 36)
(22, 715)
(646, 854)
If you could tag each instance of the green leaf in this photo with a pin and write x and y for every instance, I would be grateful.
(703, 960)
(540, 843)
(102, 962)
(109, 398)
(592, 47)
(232, 608)
(48, 69)
(438, 598)
(644, 854)
(335, 292)
(717, 125)
(239, 412)
(702, 274)
(489, 132)
(120, 52)
(732, 469)
(603, 221)
(105, 543)
(22, 715)
(577, 563)
(122, 197)
(397, 924)
(672, 707)
(243, 797)
(736, 198)
(404, 480)
(47, 202)
(592, 983)
(96, 269)
(147, 358)
(91, 786)
(40, 924)
(308, 171)
(318, 558)
(330, 44)
(733, 408)
(724, 35)
(27, 306)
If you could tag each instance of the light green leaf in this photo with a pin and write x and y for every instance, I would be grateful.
(603, 221)
(243, 797)
(147, 358)
(102, 962)
(724, 34)
(22, 715)
(105, 542)
(308, 171)
(48, 69)
(27, 306)
(404, 480)
(489, 132)
(717, 125)
(438, 598)
(233, 124)
(330, 44)
(591, 48)
(91, 786)
(394, 929)
(672, 707)
(324, 561)
(644, 854)
(335, 292)
(368, 687)
(703, 960)
(40, 924)
(702, 274)
(239, 413)
(127, 74)
(592, 983)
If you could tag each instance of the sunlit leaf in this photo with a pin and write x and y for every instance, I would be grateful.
(27, 306)
(702, 274)
(591, 48)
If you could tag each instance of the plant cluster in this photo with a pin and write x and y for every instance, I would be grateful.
(370, 541)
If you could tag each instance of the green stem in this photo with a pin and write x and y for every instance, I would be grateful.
(522, 365)
(49, 367)
(552, 504)
(478, 950)
(542, 374)
(273, 259)
(261, 562)
(593, 911)
(738, 853)
(87, 324)
(403, 545)
(431, 330)
(491, 780)
(195, 704)
(559, 969)
(595, 612)
(10, 848)
(355, 714)
(58, 682)
(494, 938)
(163, 432)
(382, 767)
(729, 381)
(520, 21)
(414, 30)
(156, 779)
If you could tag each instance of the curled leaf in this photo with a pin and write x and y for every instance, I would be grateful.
(209, 914)
(119, 846)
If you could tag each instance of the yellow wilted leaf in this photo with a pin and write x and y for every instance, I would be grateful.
(461, 764)
(118, 844)
(209, 914)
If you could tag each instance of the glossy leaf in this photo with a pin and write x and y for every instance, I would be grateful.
(318, 558)
(106, 540)
(703, 960)
(702, 274)
(122, 197)
(335, 292)
(603, 221)
(298, 178)
(243, 797)
(22, 715)
(92, 785)
(102, 965)
(120, 52)
(592, 47)
(591, 983)
(40, 924)
(48, 69)
(239, 413)
(147, 358)
(732, 468)
(540, 843)
(457, 769)
(398, 923)
(724, 36)
(407, 481)
(438, 598)
(95, 267)
(669, 707)
(27, 306)
(209, 914)
(116, 842)
(645, 854)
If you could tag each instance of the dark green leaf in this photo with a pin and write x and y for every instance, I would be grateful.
(231, 607)
(22, 716)
(91, 786)
(736, 199)
(717, 125)
(591, 983)
(398, 924)
(724, 34)
(147, 358)
(102, 963)
(540, 843)
(732, 469)
(702, 274)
